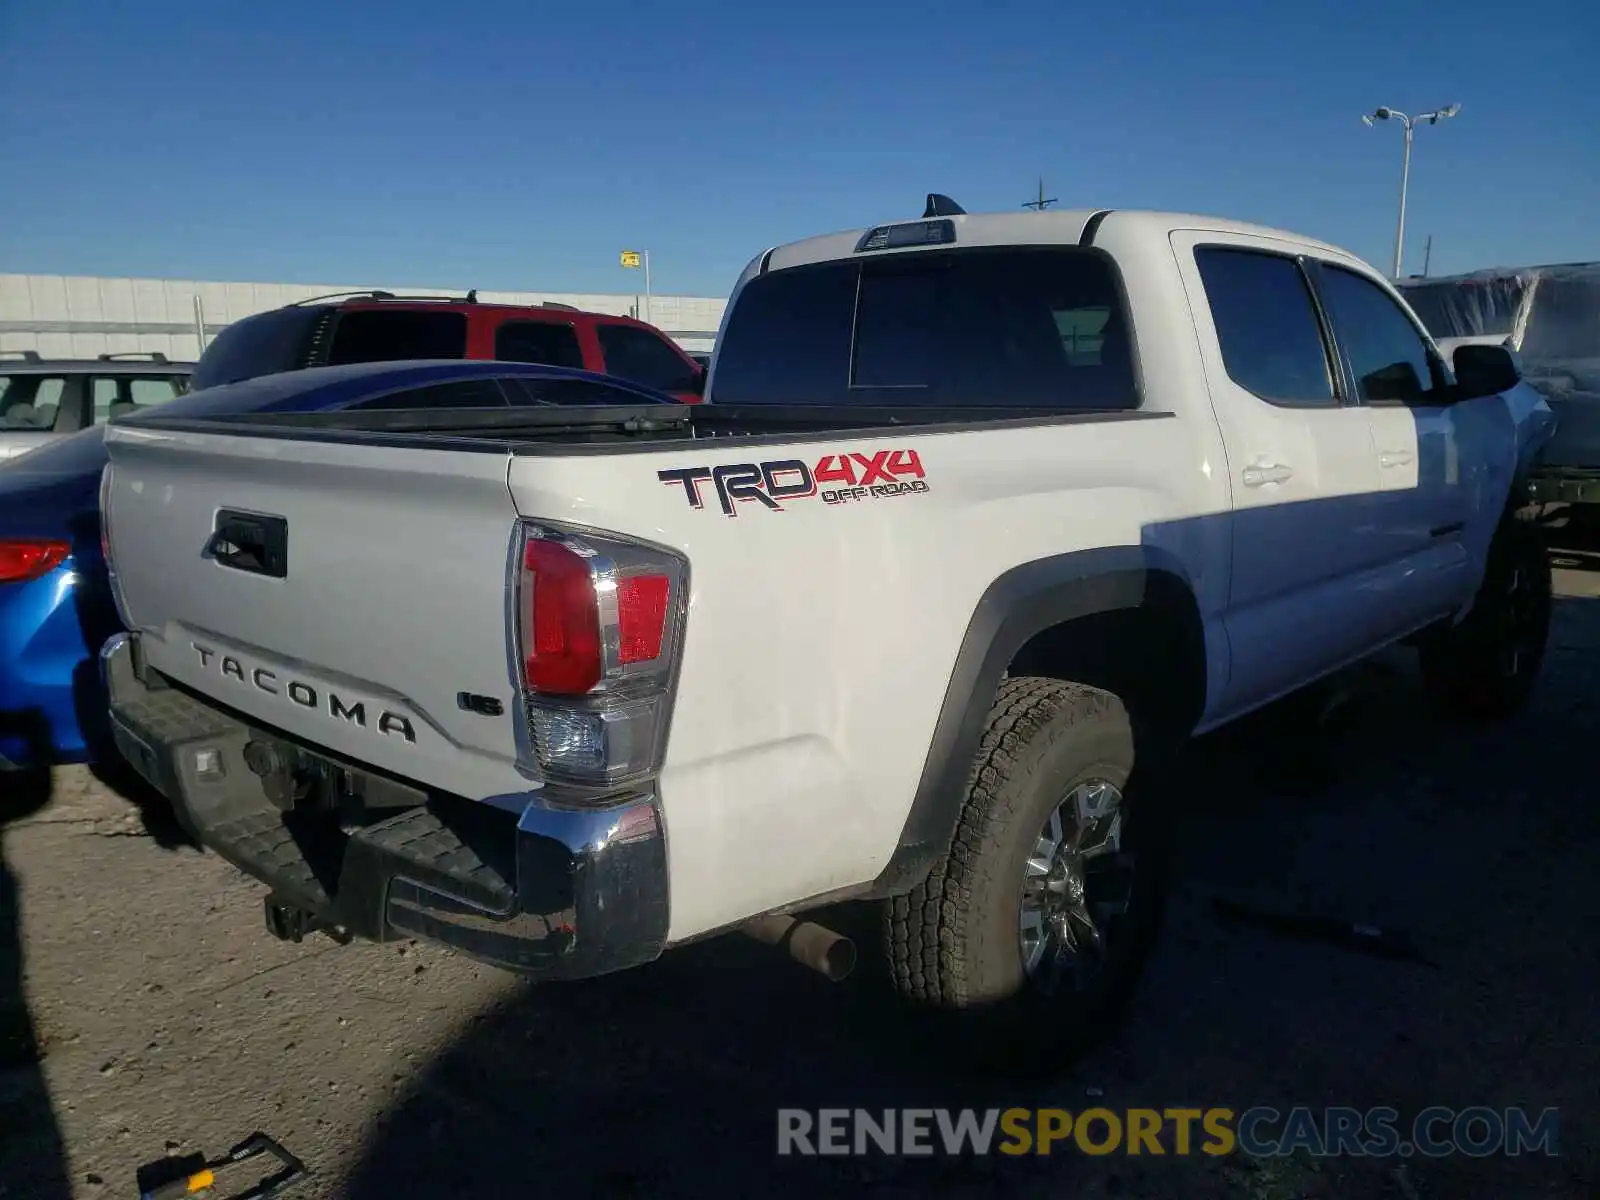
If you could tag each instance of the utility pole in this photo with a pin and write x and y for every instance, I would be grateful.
(1041, 203)
(1427, 256)
(1409, 124)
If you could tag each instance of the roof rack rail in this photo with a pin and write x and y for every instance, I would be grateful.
(376, 294)
(561, 306)
(154, 356)
(25, 355)
(373, 293)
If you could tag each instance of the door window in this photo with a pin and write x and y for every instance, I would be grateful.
(30, 401)
(538, 342)
(1389, 358)
(1267, 326)
(643, 357)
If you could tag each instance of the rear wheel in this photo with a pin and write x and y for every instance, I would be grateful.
(1030, 937)
(1486, 666)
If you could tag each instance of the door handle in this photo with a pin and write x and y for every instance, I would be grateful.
(1395, 458)
(1265, 474)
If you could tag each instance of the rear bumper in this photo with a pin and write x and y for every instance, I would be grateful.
(552, 892)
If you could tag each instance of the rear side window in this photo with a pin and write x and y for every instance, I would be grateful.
(30, 401)
(118, 397)
(1267, 326)
(462, 393)
(1013, 327)
(538, 342)
(643, 357)
(389, 335)
(264, 344)
(1388, 356)
(537, 392)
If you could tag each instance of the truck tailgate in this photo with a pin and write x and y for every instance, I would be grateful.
(387, 604)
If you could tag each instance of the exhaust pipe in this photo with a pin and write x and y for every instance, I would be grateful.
(830, 954)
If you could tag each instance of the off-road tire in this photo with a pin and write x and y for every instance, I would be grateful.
(952, 942)
(1467, 668)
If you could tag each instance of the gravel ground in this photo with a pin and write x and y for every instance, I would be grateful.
(144, 1011)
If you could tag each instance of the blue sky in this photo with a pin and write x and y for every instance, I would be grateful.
(523, 144)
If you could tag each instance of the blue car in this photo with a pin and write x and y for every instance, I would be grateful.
(56, 605)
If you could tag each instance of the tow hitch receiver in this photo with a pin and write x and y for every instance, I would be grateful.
(291, 923)
(195, 1175)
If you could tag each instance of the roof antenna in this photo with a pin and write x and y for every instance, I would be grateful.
(472, 296)
(942, 206)
(1041, 203)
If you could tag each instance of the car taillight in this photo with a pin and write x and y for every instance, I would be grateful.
(599, 620)
(24, 559)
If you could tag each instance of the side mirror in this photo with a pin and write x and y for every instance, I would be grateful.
(1485, 371)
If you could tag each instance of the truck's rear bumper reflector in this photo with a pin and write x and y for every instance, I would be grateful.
(557, 893)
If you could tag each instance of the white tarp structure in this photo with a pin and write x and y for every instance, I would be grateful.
(81, 316)
(1551, 316)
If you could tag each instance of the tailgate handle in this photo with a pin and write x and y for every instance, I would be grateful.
(250, 542)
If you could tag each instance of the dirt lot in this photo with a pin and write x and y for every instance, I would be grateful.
(143, 1009)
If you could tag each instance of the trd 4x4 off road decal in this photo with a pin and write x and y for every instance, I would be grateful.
(874, 476)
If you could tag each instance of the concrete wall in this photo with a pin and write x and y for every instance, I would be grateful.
(80, 316)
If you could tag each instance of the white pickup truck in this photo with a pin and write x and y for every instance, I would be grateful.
(985, 515)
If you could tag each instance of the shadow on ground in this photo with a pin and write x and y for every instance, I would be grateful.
(31, 1155)
(1477, 843)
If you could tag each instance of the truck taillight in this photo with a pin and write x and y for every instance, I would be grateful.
(599, 620)
(105, 547)
(27, 559)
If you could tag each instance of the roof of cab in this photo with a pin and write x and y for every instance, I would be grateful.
(1050, 227)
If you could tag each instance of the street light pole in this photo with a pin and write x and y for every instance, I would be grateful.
(1409, 124)
(1405, 180)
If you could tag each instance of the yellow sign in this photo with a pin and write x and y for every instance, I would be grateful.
(630, 258)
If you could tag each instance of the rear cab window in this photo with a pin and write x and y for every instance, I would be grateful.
(1018, 327)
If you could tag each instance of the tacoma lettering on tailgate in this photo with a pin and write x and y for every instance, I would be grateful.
(306, 695)
(875, 476)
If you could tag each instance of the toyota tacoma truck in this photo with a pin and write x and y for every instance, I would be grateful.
(983, 516)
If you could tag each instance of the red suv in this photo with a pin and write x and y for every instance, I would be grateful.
(380, 326)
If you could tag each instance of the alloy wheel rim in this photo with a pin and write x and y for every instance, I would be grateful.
(1075, 883)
